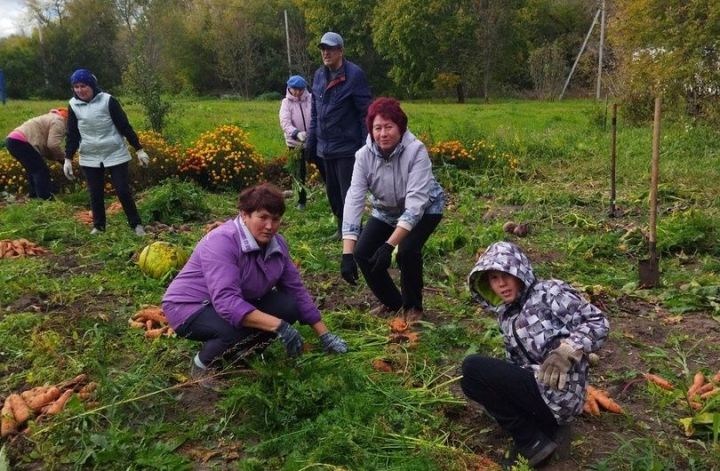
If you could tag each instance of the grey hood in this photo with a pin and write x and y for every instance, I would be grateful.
(505, 257)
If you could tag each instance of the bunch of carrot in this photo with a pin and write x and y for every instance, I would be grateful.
(19, 248)
(401, 331)
(597, 399)
(41, 401)
(701, 390)
(153, 320)
(85, 217)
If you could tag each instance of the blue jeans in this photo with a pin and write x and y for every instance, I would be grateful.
(36, 170)
(220, 337)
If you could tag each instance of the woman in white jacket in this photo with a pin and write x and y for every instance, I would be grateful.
(97, 128)
(294, 121)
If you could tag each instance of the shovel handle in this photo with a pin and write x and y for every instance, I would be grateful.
(654, 172)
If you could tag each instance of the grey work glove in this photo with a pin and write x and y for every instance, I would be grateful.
(333, 343)
(554, 370)
(291, 338)
(67, 169)
(302, 135)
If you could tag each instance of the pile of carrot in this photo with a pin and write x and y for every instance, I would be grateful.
(702, 390)
(401, 332)
(597, 399)
(212, 225)
(19, 248)
(85, 217)
(153, 320)
(41, 401)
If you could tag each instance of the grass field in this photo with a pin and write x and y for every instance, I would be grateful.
(66, 313)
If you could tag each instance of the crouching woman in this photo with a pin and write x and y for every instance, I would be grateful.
(548, 330)
(240, 289)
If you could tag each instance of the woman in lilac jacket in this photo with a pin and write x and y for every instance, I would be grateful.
(240, 289)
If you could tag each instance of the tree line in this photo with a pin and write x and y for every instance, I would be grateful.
(408, 48)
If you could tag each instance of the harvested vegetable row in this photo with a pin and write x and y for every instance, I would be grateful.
(19, 248)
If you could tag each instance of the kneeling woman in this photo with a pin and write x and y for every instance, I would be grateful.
(240, 289)
(407, 205)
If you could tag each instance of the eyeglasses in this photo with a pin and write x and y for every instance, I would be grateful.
(323, 47)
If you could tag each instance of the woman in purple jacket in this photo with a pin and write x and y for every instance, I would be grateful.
(240, 289)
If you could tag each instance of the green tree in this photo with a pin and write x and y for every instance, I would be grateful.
(21, 64)
(669, 47)
(353, 20)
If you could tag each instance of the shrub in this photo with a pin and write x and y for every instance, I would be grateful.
(165, 159)
(223, 159)
(269, 96)
(175, 202)
(14, 181)
(451, 152)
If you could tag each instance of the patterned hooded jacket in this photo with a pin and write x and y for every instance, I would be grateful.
(545, 313)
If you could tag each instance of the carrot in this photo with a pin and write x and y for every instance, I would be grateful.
(710, 393)
(660, 381)
(695, 405)
(39, 400)
(136, 324)
(155, 333)
(87, 391)
(151, 313)
(607, 403)
(73, 383)
(26, 395)
(56, 407)
(20, 410)
(705, 388)
(398, 324)
(8, 425)
(698, 381)
(716, 378)
(592, 404)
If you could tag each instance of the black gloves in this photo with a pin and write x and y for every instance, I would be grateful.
(381, 259)
(291, 338)
(348, 268)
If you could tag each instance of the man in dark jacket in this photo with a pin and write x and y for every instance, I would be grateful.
(341, 97)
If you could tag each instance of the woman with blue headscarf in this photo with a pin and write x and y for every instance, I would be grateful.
(97, 128)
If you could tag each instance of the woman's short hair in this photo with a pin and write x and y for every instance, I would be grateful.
(263, 196)
(388, 108)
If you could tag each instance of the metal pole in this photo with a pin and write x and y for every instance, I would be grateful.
(287, 40)
(613, 160)
(577, 59)
(600, 51)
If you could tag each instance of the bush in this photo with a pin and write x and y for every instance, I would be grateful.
(165, 159)
(175, 202)
(223, 159)
(269, 96)
(14, 181)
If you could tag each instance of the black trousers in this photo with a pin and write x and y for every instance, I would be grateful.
(409, 256)
(220, 337)
(510, 394)
(120, 177)
(36, 170)
(338, 173)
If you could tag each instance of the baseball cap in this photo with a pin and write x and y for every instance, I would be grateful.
(332, 40)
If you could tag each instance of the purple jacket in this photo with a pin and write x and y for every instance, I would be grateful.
(228, 270)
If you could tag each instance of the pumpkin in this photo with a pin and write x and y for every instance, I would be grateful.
(160, 258)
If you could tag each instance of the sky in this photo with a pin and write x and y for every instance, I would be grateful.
(11, 12)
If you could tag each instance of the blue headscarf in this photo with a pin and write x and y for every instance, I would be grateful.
(296, 81)
(86, 77)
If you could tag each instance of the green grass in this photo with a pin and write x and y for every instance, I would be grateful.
(67, 313)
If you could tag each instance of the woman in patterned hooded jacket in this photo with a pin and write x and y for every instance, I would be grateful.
(548, 330)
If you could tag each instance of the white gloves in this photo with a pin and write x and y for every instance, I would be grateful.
(301, 136)
(143, 158)
(67, 170)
